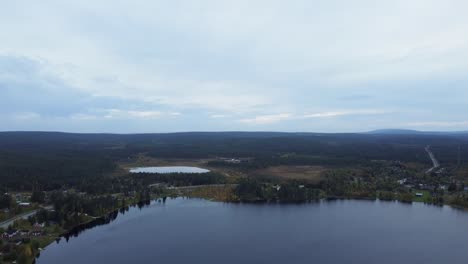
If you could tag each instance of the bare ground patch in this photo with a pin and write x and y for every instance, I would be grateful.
(311, 173)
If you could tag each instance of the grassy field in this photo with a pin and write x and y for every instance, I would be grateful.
(425, 198)
(310, 173)
(216, 193)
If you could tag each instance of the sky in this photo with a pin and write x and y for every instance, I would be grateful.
(246, 65)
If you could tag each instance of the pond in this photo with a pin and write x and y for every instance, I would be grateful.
(199, 231)
(168, 169)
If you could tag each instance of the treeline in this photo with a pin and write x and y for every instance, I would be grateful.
(49, 161)
(252, 190)
(180, 179)
(9, 206)
(455, 154)
(357, 148)
(341, 184)
(369, 184)
(70, 210)
(26, 172)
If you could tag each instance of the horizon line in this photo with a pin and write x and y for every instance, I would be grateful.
(382, 131)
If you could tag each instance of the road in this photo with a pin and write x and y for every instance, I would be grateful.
(193, 186)
(5, 224)
(201, 186)
(435, 163)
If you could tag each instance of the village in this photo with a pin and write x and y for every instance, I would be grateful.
(22, 237)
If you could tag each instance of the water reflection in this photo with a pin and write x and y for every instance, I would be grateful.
(101, 221)
(184, 230)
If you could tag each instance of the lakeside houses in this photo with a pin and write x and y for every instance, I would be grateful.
(230, 160)
(10, 233)
(37, 225)
(234, 160)
(36, 230)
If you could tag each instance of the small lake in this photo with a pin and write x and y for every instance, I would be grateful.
(168, 169)
(199, 231)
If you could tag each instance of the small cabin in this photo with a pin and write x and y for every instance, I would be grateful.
(10, 233)
(419, 194)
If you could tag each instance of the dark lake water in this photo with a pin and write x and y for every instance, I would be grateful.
(199, 231)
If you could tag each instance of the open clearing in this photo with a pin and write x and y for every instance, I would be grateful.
(311, 173)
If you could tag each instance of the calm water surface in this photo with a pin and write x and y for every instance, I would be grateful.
(199, 231)
(168, 169)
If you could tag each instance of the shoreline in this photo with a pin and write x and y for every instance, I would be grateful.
(96, 221)
(110, 216)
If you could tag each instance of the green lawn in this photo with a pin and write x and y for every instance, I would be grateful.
(425, 198)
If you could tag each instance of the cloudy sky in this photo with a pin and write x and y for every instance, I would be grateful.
(299, 65)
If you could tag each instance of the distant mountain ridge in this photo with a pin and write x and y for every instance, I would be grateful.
(413, 132)
(235, 134)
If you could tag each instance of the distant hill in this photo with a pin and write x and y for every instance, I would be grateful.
(396, 132)
(414, 132)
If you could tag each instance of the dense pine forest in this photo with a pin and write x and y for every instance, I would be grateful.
(49, 161)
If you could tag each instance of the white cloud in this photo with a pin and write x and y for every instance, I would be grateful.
(125, 114)
(324, 114)
(274, 118)
(237, 58)
(24, 116)
(271, 38)
(266, 119)
(217, 116)
(83, 117)
(346, 113)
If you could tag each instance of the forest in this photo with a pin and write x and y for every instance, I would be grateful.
(49, 161)
(71, 181)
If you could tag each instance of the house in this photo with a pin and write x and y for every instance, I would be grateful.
(418, 194)
(402, 181)
(10, 233)
(36, 233)
(231, 160)
(24, 204)
(37, 225)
